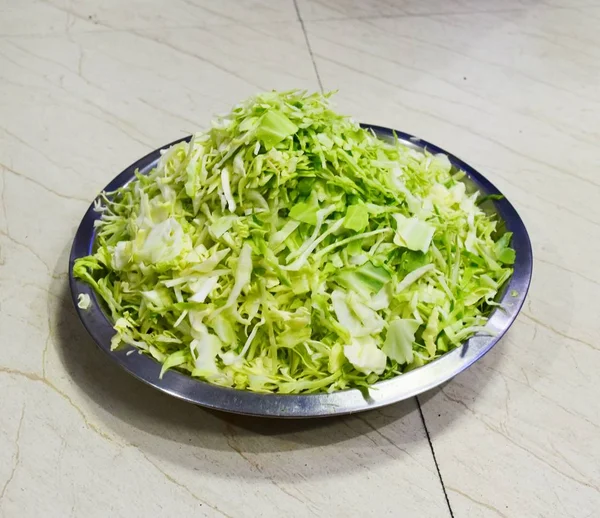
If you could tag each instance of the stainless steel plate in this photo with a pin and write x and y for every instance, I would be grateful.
(314, 405)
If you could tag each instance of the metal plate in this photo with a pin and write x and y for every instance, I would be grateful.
(383, 393)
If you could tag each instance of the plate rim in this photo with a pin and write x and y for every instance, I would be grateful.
(390, 391)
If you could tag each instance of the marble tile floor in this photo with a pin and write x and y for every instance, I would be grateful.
(511, 87)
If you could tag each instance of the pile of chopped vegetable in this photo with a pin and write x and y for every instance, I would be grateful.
(289, 250)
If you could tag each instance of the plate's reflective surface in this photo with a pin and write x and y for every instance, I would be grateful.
(313, 405)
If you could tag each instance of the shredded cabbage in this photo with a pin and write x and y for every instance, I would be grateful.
(84, 301)
(289, 250)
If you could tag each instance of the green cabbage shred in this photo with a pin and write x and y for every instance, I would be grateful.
(289, 250)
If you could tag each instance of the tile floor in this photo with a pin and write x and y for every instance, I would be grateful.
(511, 87)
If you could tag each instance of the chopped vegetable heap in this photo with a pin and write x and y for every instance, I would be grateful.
(289, 250)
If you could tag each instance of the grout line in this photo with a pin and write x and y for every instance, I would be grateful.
(312, 57)
(437, 467)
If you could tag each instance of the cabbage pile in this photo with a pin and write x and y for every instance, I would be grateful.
(289, 250)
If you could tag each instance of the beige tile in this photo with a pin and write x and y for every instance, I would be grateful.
(344, 9)
(56, 464)
(517, 435)
(39, 18)
(515, 95)
(323, 9)
(137, 14)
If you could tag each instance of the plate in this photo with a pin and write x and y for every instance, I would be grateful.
(382, 393)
